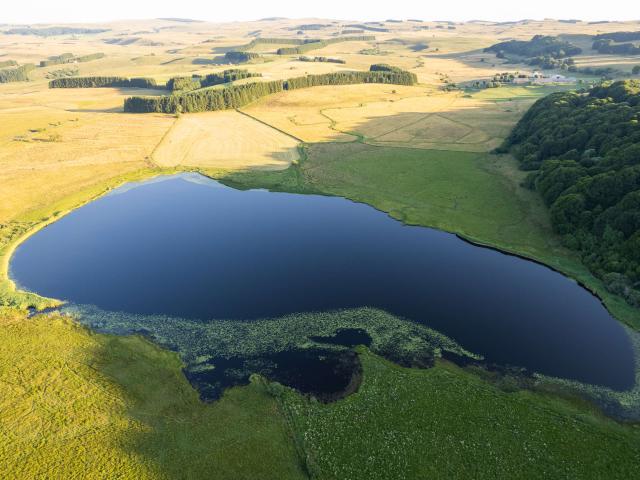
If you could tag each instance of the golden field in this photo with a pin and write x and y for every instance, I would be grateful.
(224, 140)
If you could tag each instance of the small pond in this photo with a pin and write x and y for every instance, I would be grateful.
(187, 247)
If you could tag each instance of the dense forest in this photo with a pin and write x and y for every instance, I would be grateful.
(98, 82)
(619, 36)
(239, 95)
(17, 74)
(607, 46)
(584, 153)
(538, 46)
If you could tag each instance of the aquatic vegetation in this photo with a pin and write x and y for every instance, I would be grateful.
(201, 343)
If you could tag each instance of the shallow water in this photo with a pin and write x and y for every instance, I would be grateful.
(188, 247)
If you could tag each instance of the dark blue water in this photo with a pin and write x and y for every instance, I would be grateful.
(189, 247)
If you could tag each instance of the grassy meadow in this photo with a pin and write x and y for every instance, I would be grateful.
(82, 405)
(446, 423)
(78, 404)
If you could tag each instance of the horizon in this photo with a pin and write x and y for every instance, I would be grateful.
(29, 12)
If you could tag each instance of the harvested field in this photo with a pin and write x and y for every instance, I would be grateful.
(225, 140)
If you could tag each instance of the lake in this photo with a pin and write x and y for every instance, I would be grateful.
(186, 246)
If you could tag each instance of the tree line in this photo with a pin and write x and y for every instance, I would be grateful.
(606, 46)
(362, 26)
(312, 26)
(619, 36)
(69, 58)
(384, 67)
(90, 57)
(321, 59)
(226, 76)
(56, 60)
(303, 42)
(583, 151)
(174, 84)
(104, 82)
(236, 96)
(183, 84)
(314, 45)
(240, 57)
(547, 62)
(17, 74)
(203, 100)
(273, 41)
(8, 63)
(538, 46)
(199, 81)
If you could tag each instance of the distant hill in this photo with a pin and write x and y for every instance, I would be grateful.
(52, 31)
(183, 20)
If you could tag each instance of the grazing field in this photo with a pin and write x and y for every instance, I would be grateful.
(80, 405)
(415, 117)
(50, 155)
(301, 112)
(225, 140)
(447, 423)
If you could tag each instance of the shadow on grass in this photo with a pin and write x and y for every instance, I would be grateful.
(243, 435)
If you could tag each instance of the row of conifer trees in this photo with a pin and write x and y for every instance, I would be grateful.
(97, 82)
(236, 96)
(17, 74)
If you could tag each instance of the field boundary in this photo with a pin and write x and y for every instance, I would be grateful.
(269, 125)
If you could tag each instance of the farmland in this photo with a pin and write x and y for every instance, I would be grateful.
(239, 142)
(80, 404)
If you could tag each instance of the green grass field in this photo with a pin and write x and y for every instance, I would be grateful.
(447, 423)
(80, 405)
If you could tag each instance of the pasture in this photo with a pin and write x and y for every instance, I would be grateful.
(77, 404)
